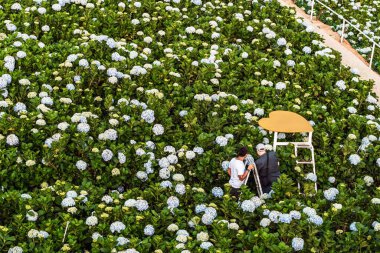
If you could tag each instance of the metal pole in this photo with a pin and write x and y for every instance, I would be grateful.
(372, 53)
(344, 26)
(312, 10)
(275, 141)
(64, 236)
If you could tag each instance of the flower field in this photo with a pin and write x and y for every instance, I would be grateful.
(363, 14)
(118, 120)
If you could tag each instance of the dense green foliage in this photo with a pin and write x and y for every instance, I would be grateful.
(78, 139)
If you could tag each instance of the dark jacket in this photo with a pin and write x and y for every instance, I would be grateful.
(268, 176)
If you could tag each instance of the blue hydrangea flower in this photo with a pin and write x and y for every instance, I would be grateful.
(285, 218)
(217, 192)
(200, 208)
(206, 245)
(353, 227)
(149, 230)
(297, 244)
(316, 219)
(248, 206)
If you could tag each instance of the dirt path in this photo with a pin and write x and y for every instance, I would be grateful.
(350, 57)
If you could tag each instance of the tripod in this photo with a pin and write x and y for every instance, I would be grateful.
(251, 161)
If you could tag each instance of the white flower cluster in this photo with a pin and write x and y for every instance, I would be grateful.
(68, 202)
(148, 116)
(149, 230)
(141, 205)
(107, 155)
(16, 249)
(33, 233)
(341, 84)
(248, 206)
(109, 134)
(117, 226)
(32, 215)
(368, 180)
(12, 140)
(331, 193)
(180, 189)
(172, 202)
(158, 129)
(223, 140)
(217, 192)
(209, 215)
(297, 244)
(81, 165)
(312, 177)
(91, 221)
(354, 159)
(376, 226)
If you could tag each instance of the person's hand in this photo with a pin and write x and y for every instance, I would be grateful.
(250, 167)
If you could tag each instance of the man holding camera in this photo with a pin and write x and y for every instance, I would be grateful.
(237, 171)
(267, 166)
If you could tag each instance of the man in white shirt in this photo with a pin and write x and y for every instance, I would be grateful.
(237, 171)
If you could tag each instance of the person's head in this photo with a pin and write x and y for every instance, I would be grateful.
(242, 152)
(260, 148)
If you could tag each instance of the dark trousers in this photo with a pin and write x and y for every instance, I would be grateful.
(266, 189)
(235, 192)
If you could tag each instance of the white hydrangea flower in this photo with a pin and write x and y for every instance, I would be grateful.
(81, 165)
(180, 189)
(331, 193)
(221, 141)
(122, 241)
(158, 129)
(91, 221)
(142, 175)
(68, 202)
(130, 203)
(117, 226)
(107, 199)
(141, 205)
(172, 202)
(354, 159)
(331, 180)
(12, 140)
(248, 206)
(312, 177)
(121, 157)
(190, 155)
(32, 215)
(297, 244)
(233, 226)
(368, 180)
(107, 155)
(281, 42)
(149, 230)
(172, 227)
(83, 127)
(265, 222)
(16, 249)
(148, 116)
(202, 236)
(341, 84)
(178, 177)
(164, 173)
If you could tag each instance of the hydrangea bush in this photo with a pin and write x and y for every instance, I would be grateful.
(118, 120)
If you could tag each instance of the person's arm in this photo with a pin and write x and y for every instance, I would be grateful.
(245, 174)
(229, 171)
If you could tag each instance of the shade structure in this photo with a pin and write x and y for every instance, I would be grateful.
(285, 122)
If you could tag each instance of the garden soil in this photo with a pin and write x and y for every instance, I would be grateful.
(350, 57)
